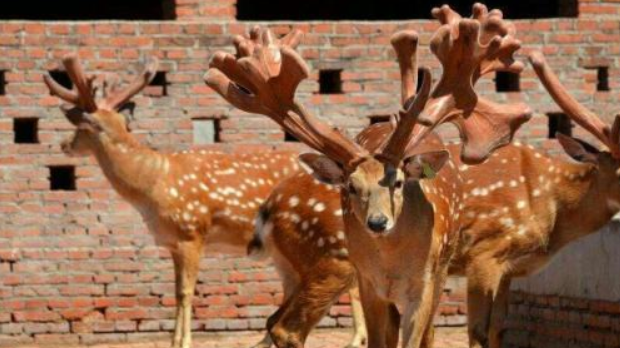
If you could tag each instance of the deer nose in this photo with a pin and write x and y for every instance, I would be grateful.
(377, 223)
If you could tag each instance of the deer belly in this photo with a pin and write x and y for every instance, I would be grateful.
(224, 240)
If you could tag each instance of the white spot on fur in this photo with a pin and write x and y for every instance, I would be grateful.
(319, 207)
(293, 201)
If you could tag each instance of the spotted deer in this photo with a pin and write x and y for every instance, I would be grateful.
(402, 259)
(523, 206)
(191, 201)
(304, 235)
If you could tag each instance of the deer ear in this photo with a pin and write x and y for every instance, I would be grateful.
(425, 165)
(578, 150)
(322, 168)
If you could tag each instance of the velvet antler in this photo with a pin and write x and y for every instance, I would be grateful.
(576, 111)
(468, 48)
(84, 95)
(405, 44)
(263, 77)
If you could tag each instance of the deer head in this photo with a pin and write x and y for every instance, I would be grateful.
(607, 161)
(95, 118)
(264, 75)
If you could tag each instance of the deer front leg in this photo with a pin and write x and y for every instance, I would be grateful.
(382, 318)
(359, 325)
(483, 283)
(186, 257)
(418, 330)
(499, 311)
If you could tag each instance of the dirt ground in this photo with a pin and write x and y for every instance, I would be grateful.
(326, 338)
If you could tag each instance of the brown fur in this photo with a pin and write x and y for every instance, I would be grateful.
(503, 238)
(400, 273)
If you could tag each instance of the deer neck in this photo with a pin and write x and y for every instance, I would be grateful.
(582, 204)
(132, 168)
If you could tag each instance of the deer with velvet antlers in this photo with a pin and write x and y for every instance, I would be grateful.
(401, 193)
(523, 206)
(191, 201)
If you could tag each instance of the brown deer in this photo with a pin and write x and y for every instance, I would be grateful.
(190, 201)
(311, 257)
(402, 259)
(524, 206)
(521, 206)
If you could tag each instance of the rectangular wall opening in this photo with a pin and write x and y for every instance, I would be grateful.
(602, 79)
(378, 119)
(330, 81)
(62, 178)
(289, 138)
(159, 86)
(25, 130)
(46, 10)
(62, 78)
(272, 10)
(559, 122)
(206, 131)
(3, 82)
(507, 82)
(420, 77)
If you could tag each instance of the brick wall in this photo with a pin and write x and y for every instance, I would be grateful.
(79, 265)
(575, 301)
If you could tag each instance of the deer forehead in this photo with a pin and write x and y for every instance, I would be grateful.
(370, 173)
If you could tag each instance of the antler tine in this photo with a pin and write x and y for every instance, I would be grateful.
(468, 48)
(445, 15)
(118, 99)
(405, 44)
(292, 39)
(397, 144)
(83, 84)
(575, 110)
(263, 79)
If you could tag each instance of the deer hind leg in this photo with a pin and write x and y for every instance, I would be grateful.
(186, 257)
(483, 282)
(289, 284)
(359, 325)
(499, 312)
(311, 301)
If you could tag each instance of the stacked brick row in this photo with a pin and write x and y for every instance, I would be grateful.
(554, 322)
(79, 265)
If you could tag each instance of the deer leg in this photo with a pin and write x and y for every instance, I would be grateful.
(289, 285)
(499, 312)
(429, 336)
(393, 327)
(186, 257)
(418, 330)
(178, 321)
(378, 317)
(359, 325)
(483, 281)
(311, 302)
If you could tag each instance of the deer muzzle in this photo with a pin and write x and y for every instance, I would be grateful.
(377, 223)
